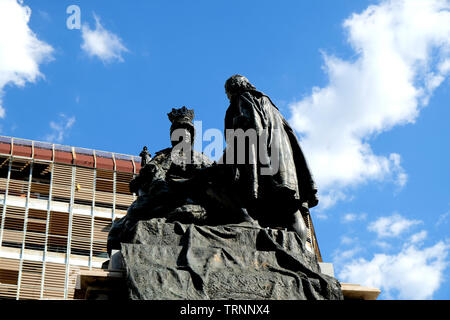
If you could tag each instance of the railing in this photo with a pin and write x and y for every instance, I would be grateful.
(31, 149)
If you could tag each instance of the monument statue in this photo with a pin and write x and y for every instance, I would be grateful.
(145, 156)
(273, 183)
(287, 188)
(227, 230)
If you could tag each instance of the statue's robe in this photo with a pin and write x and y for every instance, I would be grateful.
(285, 189)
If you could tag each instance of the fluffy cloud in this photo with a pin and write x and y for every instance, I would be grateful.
(345, 240)
(351, 217)
(402, 55)
(21, 52)
(418, 237)
(60, 128)
(413, 273)
(102, 43)
(404, 269)
(443, 219)
(391, 226)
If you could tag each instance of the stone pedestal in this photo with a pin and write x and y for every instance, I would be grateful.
(111, 285)
(180, 261)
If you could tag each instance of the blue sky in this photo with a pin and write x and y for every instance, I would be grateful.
(364, 84)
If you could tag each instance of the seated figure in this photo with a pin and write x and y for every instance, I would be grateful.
(157, 198)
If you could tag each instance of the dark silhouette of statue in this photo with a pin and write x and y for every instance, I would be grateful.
(274, 182)
(195, 230)
(264, 181)
(145, 156)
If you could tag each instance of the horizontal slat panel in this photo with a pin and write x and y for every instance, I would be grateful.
(80, 246)
(12, 236)
(101, 228)
(14, 222)
(54, 277)
(62, 175)
(124, 177)
(84, 194)
(3, 183)
(17, 188)
(37, 226)
(59, 223)
(84, 178)
(57, 243)
(105, 174)
(30, 285)
(40, 188)
(9, 273)
(37, 214)
(59, 191)
(8, 291)
(34, 240)
(29, 293)
(81, 225)
(124, 200)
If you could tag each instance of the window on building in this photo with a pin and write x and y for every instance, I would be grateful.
(40, 185)
(104, 188)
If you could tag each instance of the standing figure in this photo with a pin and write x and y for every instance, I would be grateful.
(274, 183)
(145, 156)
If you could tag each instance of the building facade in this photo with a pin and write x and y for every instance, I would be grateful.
(57, 204)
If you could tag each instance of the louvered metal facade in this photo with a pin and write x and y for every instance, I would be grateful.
(57, 204)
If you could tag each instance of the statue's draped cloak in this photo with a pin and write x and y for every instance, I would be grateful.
(292, 182)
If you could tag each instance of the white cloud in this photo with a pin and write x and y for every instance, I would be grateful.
(346, 240)
(341, 256)
(418, 237)
(383, 245)
(60, 128)
(102, 43)
(21, 52)
(402, 55)
(351, 217)
(413, 273)
(330, 198)
(320, 215)
(442, 219)
(391, 226)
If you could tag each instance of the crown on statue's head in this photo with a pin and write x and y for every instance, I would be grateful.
(182, 115)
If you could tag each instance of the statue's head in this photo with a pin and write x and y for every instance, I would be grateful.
(182, 123)
(237, 84)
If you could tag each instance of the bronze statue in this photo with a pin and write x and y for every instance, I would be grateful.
(276, 193)
(263, 181)
(259, 182)
(194, 231)
(145, 156)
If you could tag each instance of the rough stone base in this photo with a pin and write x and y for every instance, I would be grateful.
(180, 261)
